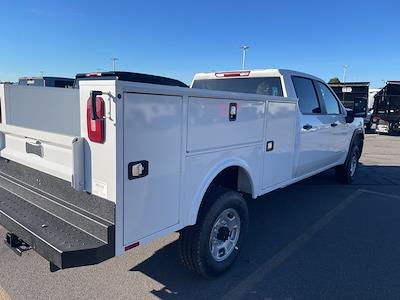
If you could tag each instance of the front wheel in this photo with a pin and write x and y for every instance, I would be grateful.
(345, 173)
(210, 247)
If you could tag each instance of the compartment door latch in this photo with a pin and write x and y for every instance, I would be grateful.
(138, 169)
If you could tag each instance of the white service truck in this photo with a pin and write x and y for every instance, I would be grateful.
(89, 173)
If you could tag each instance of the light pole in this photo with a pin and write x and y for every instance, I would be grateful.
(114, 62)
(345, 67)
(244, 48)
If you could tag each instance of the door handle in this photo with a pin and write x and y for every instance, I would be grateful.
(334, 124)
(34, 147)
(307, 127)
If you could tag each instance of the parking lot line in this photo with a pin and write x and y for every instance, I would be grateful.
(380, 194)
(239, 291)
(4, 295)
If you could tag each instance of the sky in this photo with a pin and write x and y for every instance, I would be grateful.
(180, 38)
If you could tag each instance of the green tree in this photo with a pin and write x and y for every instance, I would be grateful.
(334, 80)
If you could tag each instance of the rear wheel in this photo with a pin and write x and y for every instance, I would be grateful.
(210, 247)
(345, 173)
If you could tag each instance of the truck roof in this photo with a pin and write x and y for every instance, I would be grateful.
(251, 73)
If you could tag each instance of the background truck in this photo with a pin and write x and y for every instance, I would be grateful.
(60, 82)
(348, 92)
(387, 108)
(129, 158)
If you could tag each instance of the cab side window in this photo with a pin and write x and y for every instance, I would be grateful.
(305, 91)
(331, 104)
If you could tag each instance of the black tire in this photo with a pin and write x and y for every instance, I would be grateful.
(344, 173)
(368, 126)
(194, 241)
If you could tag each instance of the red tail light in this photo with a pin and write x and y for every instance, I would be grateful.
(95, 128)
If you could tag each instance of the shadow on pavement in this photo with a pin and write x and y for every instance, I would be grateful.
(276, 219)
(370, 131)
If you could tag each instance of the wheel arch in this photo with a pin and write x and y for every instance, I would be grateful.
(245, 183)
(358, 137)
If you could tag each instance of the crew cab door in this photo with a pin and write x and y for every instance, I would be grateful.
(334, 118)
(313, 146)
(152, 152)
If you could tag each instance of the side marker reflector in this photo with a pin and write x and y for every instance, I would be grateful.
(129, 247)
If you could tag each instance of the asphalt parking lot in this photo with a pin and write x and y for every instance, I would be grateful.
(315, 239)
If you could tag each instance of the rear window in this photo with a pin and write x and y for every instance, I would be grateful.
(63, 83)
(254, 85)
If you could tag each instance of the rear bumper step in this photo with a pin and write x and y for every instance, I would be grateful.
(61, 232)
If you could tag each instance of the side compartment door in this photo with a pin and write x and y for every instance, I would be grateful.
(152, 152)
(280, 140)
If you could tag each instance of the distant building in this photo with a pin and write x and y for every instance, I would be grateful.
(348, 91)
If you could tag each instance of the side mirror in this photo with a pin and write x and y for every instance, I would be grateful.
(349, 116)
(360, 107)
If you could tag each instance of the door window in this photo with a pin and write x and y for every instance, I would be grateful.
(305, 91)
(331, 104)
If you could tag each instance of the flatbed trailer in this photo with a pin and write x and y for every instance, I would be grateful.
(348, 92)
(386, 112)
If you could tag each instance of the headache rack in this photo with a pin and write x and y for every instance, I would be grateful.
(130, 76)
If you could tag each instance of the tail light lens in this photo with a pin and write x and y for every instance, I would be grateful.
(95, 128)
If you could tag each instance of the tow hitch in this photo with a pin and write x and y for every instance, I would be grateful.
(16, 244)
(19, 246)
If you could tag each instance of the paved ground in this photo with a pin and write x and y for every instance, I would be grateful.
(316, 239)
